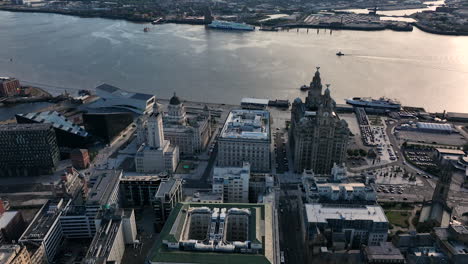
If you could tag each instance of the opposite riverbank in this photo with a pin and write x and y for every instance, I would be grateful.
(427, 29)
(79, 13)
(140, 19)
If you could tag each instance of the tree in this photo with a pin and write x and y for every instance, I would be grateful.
(371, 154)
(426, 227)
(362, 152)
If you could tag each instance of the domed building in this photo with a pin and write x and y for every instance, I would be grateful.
(175, 111)
(191, 132)
(155, 154)
(317, 136)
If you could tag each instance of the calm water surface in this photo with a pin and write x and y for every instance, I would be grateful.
(73, 53)
(7, 112)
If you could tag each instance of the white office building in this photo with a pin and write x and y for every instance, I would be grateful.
(335, 188)
(245, 137)
(232, 183)
(345, 226)
(157, 154)
(76, 224)
(104, 193)
(45, 229)
(115, 230)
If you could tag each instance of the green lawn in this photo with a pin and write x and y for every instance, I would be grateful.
(399, 218)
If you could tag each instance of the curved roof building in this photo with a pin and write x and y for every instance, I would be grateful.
(113, 97)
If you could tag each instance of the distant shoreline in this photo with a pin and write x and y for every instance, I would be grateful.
(438, 32)
(77, 14)
(149, 20)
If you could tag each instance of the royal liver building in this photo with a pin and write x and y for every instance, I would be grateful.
(317, 136)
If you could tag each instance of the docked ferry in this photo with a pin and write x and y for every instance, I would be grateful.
(382, 103)
(225, 25)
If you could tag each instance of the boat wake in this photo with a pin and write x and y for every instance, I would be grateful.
(417, 62)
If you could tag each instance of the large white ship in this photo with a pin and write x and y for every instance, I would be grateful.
(381, 103)
(218, 24)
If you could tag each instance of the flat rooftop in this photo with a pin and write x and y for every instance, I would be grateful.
(457, 115)
(167, 186)
(255, 101)
(386, 250)
(44, 220)
(231, 171)
(247, 124)
(318, 213)
(6, 217)
(106, 181)
(435, 126)
(207, 196)
(260, 221)
(74, 210)
(103, 240)
(460, 229)
(450, 151)
(7, 252)
(344, 184)
(142, 178)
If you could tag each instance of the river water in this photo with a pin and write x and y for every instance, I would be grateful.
(69, 53)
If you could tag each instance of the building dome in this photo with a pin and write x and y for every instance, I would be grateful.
(327, 91)
(174, 100)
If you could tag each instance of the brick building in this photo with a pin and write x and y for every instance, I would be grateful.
(9, 86)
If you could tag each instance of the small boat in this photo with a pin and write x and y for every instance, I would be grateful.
(340, 53)
(146, 29)
(157, 21)
(304, 88)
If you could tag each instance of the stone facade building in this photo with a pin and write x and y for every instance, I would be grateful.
(317, 136)
(190, 132)
(156, 154)
(245, 137)
(14, 254)
(9, 86)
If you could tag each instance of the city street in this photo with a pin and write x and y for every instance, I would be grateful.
(291, 235)
(281, 160)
